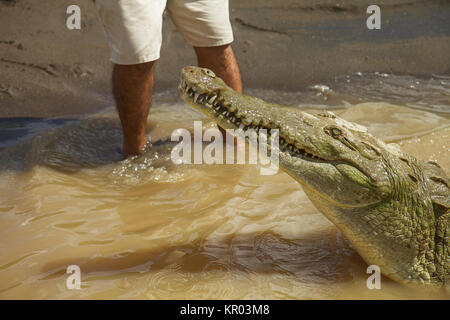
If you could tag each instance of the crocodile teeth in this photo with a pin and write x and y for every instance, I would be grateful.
(211, 100)
(196, 97)
(246, 121)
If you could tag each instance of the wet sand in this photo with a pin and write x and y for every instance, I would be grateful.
(48, 70)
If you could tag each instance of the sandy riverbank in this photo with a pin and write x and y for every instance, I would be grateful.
(48, 70)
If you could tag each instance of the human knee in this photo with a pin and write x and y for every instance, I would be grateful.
(213, 51)
(141, 68)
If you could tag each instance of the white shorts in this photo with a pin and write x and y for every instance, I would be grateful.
(133, 28)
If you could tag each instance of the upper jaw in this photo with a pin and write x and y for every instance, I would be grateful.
(210, 103)
(195, 95)
(228, 116)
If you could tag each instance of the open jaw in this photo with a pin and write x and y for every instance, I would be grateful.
(228, 116)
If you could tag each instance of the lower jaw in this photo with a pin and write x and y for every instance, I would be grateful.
(223, 123)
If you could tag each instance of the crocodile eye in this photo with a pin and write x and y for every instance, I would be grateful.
(335, 132)
(209, 73)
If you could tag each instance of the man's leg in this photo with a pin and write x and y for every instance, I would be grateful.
(133, 30)
(132, 87)
(222, 62)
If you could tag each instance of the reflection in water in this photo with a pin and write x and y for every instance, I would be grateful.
(146, 228)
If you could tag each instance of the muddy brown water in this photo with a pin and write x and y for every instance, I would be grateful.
(146, 228)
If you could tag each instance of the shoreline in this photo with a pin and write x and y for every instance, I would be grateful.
(48, 70)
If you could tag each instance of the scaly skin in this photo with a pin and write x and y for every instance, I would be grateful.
(394, 209)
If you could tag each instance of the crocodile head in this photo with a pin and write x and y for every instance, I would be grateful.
(380, 198)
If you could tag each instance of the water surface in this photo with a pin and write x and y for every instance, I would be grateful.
(148, 229)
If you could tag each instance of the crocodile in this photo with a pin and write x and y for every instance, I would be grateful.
(394, 209)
